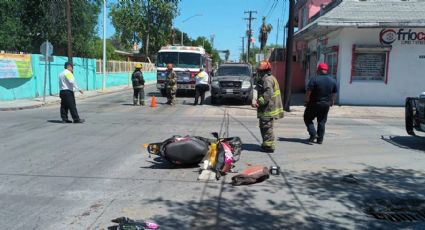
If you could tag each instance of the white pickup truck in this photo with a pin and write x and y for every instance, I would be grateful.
(415, 114)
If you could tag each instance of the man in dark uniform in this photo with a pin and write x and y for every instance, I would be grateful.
(138, 86)
(268, 104)
(321, 93)
(171, 85)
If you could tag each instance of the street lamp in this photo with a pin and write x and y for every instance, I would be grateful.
(104, 46)
(195, 15)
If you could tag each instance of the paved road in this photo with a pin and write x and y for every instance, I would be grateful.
(79, 176)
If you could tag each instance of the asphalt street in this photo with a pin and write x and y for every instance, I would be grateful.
(80, 176)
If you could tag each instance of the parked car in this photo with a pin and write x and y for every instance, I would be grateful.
(415, 114)
(232, 80)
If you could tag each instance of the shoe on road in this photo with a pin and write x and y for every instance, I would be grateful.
(66, 121)
(79, 121)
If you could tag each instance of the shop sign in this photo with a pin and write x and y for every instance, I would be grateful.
(404, 36)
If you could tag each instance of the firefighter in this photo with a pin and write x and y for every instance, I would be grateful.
(171, 85)
(138, 85)
(268, 104)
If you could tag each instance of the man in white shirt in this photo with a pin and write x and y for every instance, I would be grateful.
(201, 86)
(67, 86)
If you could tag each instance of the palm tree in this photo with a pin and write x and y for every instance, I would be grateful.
(264, 33)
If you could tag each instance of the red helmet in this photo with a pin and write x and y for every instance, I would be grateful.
(264, 65)
(169, 66)
(323, 66)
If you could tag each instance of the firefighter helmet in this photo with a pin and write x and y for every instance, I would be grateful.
(138, 66)
(264, 65)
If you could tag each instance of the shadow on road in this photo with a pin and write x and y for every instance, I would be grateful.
(156, 94)
(328, 202)
(55, 121)
(296, 140)
(251, 147)
(406, 142)
(160, 163)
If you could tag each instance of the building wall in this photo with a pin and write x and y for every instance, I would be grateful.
(312, 8)
(278, 70)
(84, 71)
(405, 71)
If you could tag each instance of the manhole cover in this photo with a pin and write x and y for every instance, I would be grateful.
(396, 210)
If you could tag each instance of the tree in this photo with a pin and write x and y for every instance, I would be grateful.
(110, 50)
(28, 23)
(265, 51)
(204, 42)
(150, 19)
(11, 27)
(265, 29)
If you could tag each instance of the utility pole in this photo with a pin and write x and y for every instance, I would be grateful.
(212, 36)
(147, 36)
(250, 18)
(288, 63)
(277, 37)
(243, 47)
(68, 18)
(104, 47)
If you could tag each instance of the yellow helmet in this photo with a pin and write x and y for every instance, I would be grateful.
(138, 66)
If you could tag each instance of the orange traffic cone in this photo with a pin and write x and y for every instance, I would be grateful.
(153, 103)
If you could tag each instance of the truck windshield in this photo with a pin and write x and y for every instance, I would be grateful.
(182, 60)
(233, 71)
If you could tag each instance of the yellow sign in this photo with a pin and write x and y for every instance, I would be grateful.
(15, 66)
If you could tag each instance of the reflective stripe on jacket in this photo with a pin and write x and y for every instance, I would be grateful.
(171, 80)
(269, 99)
(67, 81)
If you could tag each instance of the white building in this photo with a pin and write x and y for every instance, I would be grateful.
(375, 49)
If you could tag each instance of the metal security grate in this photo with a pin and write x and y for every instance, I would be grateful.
(399, 210)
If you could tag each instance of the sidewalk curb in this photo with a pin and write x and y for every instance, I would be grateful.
(21, 107)
(96, 93)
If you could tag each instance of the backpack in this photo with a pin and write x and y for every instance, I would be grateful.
(251, 175)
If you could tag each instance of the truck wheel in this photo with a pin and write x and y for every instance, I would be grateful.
(213, 100)
(409, 117)
(248, 100)
(163, 93)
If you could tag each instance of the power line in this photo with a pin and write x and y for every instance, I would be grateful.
(272, 8)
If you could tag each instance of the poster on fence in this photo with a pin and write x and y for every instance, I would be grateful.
(15, 66)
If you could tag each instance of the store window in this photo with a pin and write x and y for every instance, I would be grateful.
(332, 60)
(370, 63)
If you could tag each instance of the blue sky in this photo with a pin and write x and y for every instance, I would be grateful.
(225, 19)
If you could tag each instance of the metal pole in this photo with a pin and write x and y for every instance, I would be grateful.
(46, 59)
(288, 65)
(104, 46)
(69, 27)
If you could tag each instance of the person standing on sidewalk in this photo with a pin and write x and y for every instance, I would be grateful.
(268, 104)
(171, 85)
(320, 95)
(201, 86)
(67, 86)
(138, 85)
